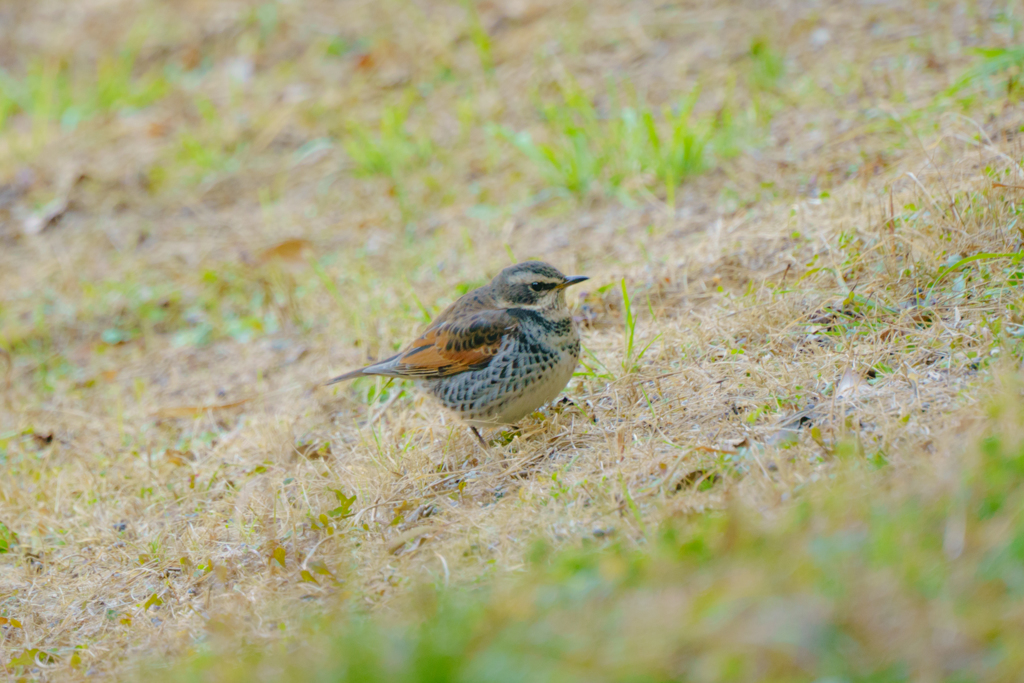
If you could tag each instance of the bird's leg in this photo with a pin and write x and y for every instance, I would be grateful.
(483, 444)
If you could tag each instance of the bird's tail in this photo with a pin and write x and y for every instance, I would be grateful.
(378, 368)
(347, 375)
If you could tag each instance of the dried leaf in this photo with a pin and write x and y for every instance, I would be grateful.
(36, 222)
(176, 457)
(320, 567)
(314, 450)
(307, 577)
(398, 542)
(365, 61)
(889, 334)
(701, 478)
(153, 601)
(32, 657)
(710, 449)
(850, 385)
(158, 129)
(278, 555)
(291, 251)
(197, 411)
(42, 439)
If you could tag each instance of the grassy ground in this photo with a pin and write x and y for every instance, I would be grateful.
(791, 452)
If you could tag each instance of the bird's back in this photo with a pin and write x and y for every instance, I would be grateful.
(473, 301)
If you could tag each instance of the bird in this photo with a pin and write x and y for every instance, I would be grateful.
(496, 354)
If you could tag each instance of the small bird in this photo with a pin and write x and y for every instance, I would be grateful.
(499, 352)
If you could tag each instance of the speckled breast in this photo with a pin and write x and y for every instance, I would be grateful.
(530, 369)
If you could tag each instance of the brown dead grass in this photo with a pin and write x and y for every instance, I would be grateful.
(153, 469)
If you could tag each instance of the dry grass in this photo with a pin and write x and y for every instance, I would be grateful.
(178, 271)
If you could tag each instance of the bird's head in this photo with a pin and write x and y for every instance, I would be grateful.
(532, 285)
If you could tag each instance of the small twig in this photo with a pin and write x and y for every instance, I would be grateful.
(310, 553)
(444, 563)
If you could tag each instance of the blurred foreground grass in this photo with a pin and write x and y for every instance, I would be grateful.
(866, 577)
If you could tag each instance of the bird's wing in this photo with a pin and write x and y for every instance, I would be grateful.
(453, 345)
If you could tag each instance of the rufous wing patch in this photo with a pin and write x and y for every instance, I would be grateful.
(451, 347)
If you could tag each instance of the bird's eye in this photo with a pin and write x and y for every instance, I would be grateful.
(542, 286)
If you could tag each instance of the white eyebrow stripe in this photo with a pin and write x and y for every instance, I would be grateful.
(526, 278)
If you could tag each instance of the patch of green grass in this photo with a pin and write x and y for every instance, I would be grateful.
(626, 151)
(232, 303)
(237, 301)
(204, 156)
(391, 150)
(767, 66)
(998, 69)
(631, 357)
(479, 37)
(593, 367)
(51, 91)
(8, 539)
(203, 152)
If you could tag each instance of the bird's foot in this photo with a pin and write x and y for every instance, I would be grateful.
(480, 439)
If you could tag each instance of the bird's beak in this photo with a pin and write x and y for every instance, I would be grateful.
(572, 280)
